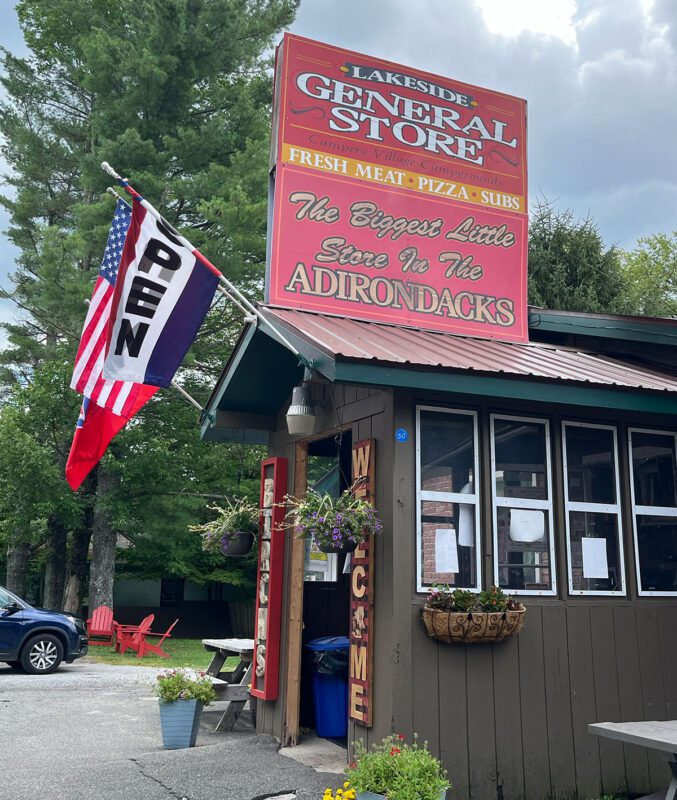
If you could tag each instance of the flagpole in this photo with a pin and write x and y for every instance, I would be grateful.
(233, 293)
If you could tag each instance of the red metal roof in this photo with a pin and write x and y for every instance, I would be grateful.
(374, 341)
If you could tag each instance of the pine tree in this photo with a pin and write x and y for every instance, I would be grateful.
(177, 94)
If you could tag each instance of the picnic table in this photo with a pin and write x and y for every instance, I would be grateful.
(231, 685)
(661, 736)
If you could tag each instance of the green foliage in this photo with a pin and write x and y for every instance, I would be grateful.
(238, 516)
(569, 267)
(176, 95)
(338, 522)
(651, 275)
(177, 684)
(182, 653)
(462, 600)
(399, 770)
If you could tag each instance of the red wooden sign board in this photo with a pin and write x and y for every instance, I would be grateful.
(265, 680)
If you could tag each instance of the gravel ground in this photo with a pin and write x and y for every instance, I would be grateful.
(91, 731)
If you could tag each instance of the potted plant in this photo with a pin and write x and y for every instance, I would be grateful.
(233, 531)
(462, 616)
(182, 698)
(337, 525)
(395, 770)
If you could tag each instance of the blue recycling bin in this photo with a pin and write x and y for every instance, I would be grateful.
(329, 661)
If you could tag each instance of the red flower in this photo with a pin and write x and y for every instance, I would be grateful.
(352, 764)
(394, 751)
(401, 737)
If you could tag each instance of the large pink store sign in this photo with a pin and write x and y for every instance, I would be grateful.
(399, 196)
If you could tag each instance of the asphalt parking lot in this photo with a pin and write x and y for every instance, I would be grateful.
(91, 731)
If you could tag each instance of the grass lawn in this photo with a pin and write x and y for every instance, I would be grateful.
(182, 653)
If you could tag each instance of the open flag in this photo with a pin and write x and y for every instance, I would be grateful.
(162, 295)
(107, 405)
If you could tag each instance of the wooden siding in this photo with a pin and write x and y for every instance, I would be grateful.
(509, 721)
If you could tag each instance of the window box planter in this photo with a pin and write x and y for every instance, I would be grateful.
(180, 721)
(473, 627)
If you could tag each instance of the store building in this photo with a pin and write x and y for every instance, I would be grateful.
(568, 435)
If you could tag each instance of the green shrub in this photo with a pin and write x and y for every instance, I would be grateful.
(399, 770)
(176, 684)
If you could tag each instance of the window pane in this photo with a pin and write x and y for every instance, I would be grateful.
(520, 459)
(653, 463)
(591, 468)
(523, 549)
(595, 562)
(447, 452)
(657, 545)
(448, 539)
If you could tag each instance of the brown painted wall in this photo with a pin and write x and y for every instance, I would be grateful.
(509, 720)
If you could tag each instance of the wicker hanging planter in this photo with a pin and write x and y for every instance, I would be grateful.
(473, 627)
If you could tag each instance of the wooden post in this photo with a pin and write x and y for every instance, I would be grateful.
(295, 629)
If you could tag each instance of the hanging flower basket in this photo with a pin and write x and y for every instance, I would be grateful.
(467, 618)
(335, 524)
(327, 547)
(472, 627)
(233, 531)
(237, 543)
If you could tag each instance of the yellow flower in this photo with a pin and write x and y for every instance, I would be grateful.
(346, 784)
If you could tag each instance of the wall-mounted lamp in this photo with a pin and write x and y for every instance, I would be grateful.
(301, 413)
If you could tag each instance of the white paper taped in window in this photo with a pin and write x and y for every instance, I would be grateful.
(526, 525)
(595, 564)
(446, 552)
(466, 520)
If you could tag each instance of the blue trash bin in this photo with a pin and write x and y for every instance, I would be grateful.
(329, 658)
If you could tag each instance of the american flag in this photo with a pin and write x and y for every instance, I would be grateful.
(117, 396)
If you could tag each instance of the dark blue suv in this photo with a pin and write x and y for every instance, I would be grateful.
(38, 641)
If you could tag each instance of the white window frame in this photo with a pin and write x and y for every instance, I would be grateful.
(592, 508)
(517, 502)
(648, 511)
(448, 497)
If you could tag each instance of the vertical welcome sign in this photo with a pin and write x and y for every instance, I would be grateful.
(399, 196)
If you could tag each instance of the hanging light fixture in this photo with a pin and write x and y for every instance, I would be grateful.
(301, 414)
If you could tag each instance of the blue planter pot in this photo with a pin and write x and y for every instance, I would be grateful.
(180, 721)
(372, 796)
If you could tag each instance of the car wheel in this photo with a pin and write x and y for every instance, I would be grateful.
(42, 654)
(15, 665)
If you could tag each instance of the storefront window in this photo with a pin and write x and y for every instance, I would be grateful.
(654, 509)
(448, 549)
(592, 505)
(524, 555)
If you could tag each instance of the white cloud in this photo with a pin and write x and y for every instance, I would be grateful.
(600, 78)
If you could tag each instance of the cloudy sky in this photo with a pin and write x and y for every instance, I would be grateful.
(600, 78)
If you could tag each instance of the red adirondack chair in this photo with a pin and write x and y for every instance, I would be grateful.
(146, 647)
(102, 626)
(129, 637)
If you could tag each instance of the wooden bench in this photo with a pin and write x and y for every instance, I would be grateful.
(661, 736)
(235, 686)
